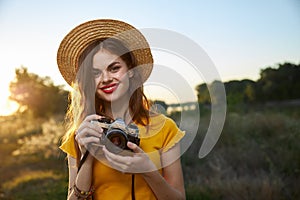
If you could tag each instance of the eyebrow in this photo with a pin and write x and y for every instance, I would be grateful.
(112, 64)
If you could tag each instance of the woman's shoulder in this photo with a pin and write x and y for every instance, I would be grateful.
(68, 144)
(170, 133)
(157, 117)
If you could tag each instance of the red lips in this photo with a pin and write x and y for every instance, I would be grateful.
(108, 89)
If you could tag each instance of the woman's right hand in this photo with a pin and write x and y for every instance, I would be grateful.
(88, 133)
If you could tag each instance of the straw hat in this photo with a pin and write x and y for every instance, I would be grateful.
(81, 36)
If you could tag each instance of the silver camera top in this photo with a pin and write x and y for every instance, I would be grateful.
(118, 124)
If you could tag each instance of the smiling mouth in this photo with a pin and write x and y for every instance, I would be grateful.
(109, 88)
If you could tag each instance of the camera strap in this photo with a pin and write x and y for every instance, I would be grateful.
(132, 187)
(82, 160)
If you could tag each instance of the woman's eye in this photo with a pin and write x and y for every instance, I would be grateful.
(96, 72)
(115, 68)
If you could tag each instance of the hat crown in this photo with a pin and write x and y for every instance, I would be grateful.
(79, 38)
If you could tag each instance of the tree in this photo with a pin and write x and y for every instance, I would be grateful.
(37, 95)
(237, 92)
(159, 106)
(240, 91)
(279, 84)
(203, 94)
(275, 84)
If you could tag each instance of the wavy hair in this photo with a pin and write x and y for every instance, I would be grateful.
(83, 99)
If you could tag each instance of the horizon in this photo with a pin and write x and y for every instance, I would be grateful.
(13, 105)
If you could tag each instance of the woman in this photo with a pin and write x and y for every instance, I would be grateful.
(106, 62)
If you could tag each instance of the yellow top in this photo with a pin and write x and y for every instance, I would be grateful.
(109, 183)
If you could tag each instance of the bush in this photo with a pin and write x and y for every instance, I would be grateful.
(256, 157)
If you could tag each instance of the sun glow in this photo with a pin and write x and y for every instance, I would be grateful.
(7, 107)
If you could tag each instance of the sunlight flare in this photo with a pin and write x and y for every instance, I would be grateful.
(7, 107)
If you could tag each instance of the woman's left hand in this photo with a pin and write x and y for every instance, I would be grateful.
(138, 162)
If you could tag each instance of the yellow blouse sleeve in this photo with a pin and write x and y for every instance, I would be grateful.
(68, 146)
(171, 134)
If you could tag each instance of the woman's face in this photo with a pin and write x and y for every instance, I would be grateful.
(111, 78)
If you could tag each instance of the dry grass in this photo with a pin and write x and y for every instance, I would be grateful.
(32, 166)
(27, 176)
(256, 157)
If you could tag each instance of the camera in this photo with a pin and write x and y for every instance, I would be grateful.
(116, 134)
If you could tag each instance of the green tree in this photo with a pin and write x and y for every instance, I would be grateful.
(250, 93)
(240, 91)
(161, 103)
(275, 84)
(237, 92)
(160, 106)
(37, 95)
(279, 83)
(203, 94)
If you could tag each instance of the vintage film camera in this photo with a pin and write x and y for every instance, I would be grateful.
(116, 134)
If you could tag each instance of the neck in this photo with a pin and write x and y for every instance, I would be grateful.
(118, 109)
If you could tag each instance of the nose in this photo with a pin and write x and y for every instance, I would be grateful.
(105, 76)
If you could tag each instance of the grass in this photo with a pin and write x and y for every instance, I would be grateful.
(256, 157)
(36, 185)
(32, 167)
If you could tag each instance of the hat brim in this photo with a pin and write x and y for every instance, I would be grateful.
(79, 38)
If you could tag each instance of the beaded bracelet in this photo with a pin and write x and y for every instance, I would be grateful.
(83, 195)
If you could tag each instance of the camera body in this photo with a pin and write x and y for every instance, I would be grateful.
(116, 134)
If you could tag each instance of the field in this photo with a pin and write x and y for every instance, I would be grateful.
(32, 167)
(256, 157)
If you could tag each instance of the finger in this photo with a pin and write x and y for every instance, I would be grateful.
(91, 117)
(87, 132)
(117, 158)
(135, 148)
(88, 129)
(114, 162)
(88, 125)
(87, 140)
(87, 135)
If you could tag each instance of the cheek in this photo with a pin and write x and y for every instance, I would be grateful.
(123, 74)
(124, 78)
(97, 81)
(124, 86)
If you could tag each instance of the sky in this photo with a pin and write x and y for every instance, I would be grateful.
(240, 37)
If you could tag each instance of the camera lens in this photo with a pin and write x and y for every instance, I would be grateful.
(116, 140)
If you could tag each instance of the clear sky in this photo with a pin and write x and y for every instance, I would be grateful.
(241, 37)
